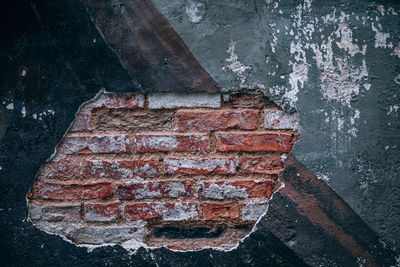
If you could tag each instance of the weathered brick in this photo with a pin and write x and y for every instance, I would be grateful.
(254, 141)
(218, 165)
(120, 169)
(143, 211)
(73, 191)
(154, 190)
(55, 213)
(171, 142)
(102, 212)
(99, 235)
(180, 212)
(270, 164)
(218, 211)
(208, 120)
(175, 100)
(253, 211)
(278, 119)
(247, 99)
(82, 122)
(241, 189)
(117, 120)
(64, 168)
(94, 144)
(115, 100)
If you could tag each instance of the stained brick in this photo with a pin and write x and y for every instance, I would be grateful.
(172, 142)
(117, 120)
(64, 168)
(218, 211)
(241, 189)
(253, 211)
(180, 212)
(120, 169)
(94, 144)
(247, 99)
(82, 122)
(115, 100)
(143, 211)
(102, 212)
(56, 213)
(201, 165)
(254, 141)
(73, 191)
(278, 119)
(208, 120)
(154, 190)
(270, 164)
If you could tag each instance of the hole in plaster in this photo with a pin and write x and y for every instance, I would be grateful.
(185, 172)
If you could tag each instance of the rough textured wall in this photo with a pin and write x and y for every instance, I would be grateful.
(337, 63)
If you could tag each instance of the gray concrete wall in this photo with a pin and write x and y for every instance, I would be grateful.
(337, 63)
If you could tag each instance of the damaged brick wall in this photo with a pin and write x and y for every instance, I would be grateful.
(162, 169)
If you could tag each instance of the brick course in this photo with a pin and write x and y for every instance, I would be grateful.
(178, 164)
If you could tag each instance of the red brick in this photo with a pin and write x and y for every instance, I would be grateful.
(248, 99)
(242, 189)
(64, 168)
(154, 190)
(171, 142)
(208, 120)
(102, 212)
(260, 164)
(82, 122)
(116, 144)
(218, 165)
(73, 191)
(114, 100)
(217, 211)
(256, 141)
(143, 211)
(120, 169)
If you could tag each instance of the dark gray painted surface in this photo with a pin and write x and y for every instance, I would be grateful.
(337, 63)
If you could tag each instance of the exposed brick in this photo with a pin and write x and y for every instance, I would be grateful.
(208, 120)
(201, 165)
(154, 190)
(120, 169)
(242, 189)
(115, 100)
(278, 119)
(143, 211)
(56, 213)
(180, 212)
(254, 141)
(64, 168)
(94, 144)
(247, 99)
(102, 212)
(175, 100)
(172, 142)
(253, 211)
(116, 120)
(270, 164)
(218, 211)
(73, 191)
(82, 123)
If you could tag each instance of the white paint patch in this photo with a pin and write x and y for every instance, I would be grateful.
(176, 100)
(23, 73)
(397, 79)
(23, 112)
(393, 109)
(380, 37)
(10, 106)
(234, 64)
(195, 10)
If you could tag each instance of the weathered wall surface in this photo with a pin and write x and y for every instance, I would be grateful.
(337, 63)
